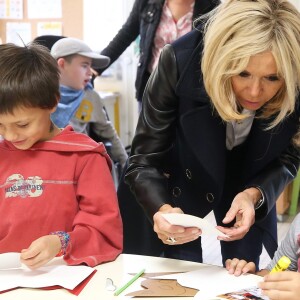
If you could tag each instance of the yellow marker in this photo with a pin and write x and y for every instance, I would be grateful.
(282, 264)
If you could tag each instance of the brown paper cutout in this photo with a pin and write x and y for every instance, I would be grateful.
(163, 288)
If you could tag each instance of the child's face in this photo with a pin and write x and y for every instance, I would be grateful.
(77, 73)
(27, 126)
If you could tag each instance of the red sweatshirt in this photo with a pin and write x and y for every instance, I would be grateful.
(63, 184)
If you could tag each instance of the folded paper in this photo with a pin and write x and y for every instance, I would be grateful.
(186, 220)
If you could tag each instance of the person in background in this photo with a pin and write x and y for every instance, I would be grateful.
(217, 129)
(157, 22)
(281, 285)
(80, 105)
(91, 118)
(57, 196)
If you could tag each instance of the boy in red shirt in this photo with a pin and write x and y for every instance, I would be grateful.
(57, 196)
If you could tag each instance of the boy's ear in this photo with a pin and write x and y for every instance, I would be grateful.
(55, 107)
(52, 110)
(57, 100)
(61, 62)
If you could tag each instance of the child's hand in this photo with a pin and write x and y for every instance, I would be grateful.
(41, 251)
(238, 267)
(281, 286)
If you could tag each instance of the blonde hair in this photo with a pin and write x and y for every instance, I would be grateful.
(239, 29)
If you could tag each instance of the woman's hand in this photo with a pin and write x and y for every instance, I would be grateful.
(173, 234)
(41, 251)
(242, 209)
(281, 286)
(237, 267)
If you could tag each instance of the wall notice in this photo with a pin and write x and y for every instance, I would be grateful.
(44, 9)
(11, 9)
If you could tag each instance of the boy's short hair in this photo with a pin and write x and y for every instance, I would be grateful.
(70, 46)
(29, 77)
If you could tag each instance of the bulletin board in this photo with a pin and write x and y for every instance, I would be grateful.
(71, 19)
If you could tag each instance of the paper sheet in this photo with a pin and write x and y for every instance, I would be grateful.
(10, 260)
(39, 9)
(213, 280)
(18, 33)
(244, 294)
(13, 275)
(192, 221)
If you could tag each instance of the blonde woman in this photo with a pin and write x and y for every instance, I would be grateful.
(216, 129)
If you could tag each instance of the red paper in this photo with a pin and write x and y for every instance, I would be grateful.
(76, 291)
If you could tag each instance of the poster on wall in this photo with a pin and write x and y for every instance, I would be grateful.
(18, 33)
(44, 9)
(49, 28)
(11, 9)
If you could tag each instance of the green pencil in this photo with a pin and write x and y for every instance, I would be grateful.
(132, 280)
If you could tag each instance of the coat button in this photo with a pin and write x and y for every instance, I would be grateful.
(188, 174)
(210, 197)
(176, 191)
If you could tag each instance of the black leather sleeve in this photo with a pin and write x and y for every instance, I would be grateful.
(273, 179)
(154, 136)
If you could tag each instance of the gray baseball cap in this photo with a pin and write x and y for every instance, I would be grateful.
(68, 46)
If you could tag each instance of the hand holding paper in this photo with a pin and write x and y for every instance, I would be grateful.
(13, 274)
(41, 251)
(186, 220)
(242, 212)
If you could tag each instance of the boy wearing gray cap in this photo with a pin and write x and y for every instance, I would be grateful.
(81, 106)
(75, 60)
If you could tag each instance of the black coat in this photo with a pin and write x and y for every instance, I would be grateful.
(144, 20)
(179, 153)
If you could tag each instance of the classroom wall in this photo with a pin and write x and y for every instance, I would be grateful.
(72, 20)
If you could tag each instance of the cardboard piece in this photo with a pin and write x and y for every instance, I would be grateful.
(163, 288)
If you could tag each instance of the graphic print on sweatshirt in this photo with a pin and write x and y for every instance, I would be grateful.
(18, 186)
